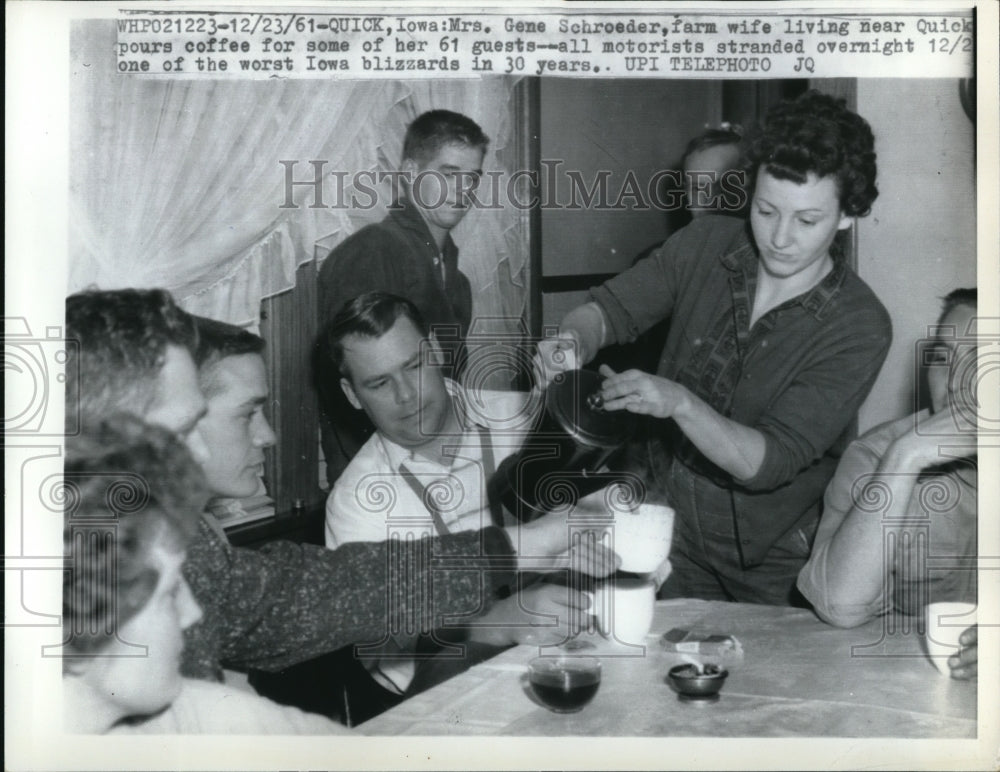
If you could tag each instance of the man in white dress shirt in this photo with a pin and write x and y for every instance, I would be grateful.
(424, 473)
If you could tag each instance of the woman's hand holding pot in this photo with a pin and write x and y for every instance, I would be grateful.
(642, 393)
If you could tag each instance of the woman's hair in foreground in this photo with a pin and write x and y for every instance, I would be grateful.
(817, 133)
(117, 343)
(128, 486)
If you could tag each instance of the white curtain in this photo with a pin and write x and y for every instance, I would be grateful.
(178, 183)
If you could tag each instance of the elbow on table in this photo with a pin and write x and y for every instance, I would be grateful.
(841, 616)
(830, 611)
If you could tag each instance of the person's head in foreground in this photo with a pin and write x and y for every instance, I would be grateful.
(386, 358)
(134, 354)
(443, 156)
(233, 380)
(813, 169)
(134, 495)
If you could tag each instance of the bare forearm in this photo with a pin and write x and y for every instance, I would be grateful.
(856, 565)
(733, 447)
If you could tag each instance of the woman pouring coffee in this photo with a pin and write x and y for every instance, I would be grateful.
(774, 343)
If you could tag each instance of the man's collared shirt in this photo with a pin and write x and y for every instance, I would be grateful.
(373, 500)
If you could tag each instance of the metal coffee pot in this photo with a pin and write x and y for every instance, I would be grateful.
(562, 459)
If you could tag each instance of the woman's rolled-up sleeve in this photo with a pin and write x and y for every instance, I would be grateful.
(806, 419)
(636, 299)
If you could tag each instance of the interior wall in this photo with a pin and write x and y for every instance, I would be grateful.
(592, 125)
(919, 241)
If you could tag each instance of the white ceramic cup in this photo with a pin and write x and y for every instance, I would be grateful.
(642, 537)
(623, 608)
(946, 622)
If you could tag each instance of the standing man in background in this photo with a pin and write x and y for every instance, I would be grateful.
(410, 254)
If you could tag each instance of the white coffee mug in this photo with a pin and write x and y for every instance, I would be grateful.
(623, 608)
(946, 621)
(641, 538)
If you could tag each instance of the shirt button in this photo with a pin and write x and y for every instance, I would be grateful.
(763, 344)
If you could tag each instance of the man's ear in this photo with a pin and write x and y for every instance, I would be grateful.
(348, 390)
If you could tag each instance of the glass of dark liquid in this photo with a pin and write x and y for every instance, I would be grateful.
(564, 684)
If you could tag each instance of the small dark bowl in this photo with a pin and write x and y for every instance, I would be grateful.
(688, 681)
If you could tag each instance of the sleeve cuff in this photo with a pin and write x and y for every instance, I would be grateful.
(619, 329)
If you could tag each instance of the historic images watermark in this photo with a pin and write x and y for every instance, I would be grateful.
(551, 187)
(35, 363)
(967, 363)
(955, 371)
(34, 367)
(93, 597)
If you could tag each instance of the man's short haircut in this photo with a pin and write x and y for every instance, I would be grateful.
(122, 338)
(433, 130)
(129, 486)
(714, 138)
(370, 315)
(217, 341)
(965, 296)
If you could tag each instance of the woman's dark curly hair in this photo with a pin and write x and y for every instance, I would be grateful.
(817, 133)
(127, 487)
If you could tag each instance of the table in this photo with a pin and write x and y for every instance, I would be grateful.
(797, 677)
